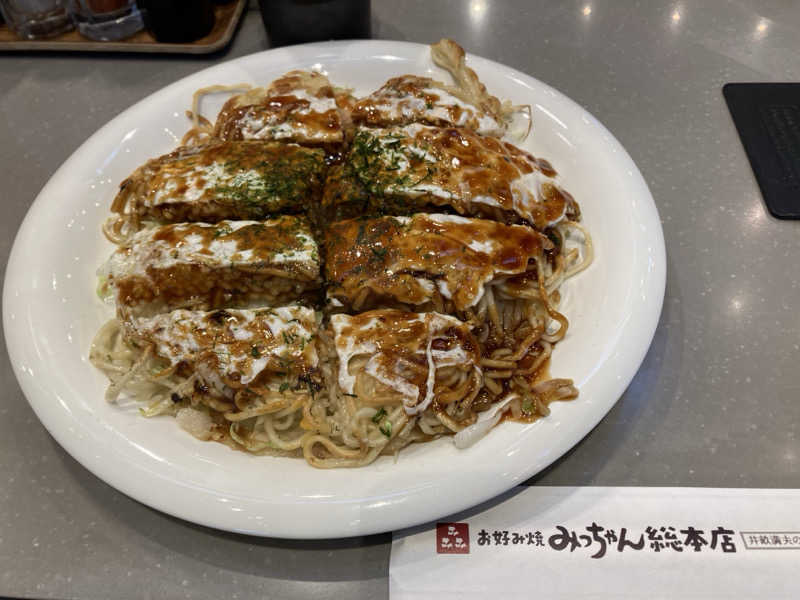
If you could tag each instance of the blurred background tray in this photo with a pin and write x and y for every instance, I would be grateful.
(227, 17)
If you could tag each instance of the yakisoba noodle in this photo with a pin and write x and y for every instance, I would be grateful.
(408, 327)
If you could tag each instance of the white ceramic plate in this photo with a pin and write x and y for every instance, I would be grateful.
(51, 313)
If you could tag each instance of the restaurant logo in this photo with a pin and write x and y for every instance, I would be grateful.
(452, 538)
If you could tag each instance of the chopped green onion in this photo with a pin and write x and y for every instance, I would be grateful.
(255, 352)
(284, 387)
(379, 253)
(378, 415)
(553, 237)
(386, 429)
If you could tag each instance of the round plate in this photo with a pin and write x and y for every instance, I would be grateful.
(51, 313)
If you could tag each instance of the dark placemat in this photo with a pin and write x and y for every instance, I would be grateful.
(767, 117)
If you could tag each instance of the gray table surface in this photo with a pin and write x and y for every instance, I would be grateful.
(714, 404)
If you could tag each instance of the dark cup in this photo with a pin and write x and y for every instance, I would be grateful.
(178, 21)
(299, 21)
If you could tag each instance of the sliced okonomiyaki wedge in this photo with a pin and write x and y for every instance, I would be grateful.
(414, 361)
(299, 107)
(413, 99)
(414, 168)
(218, 181)
(242, 363)
(443, 262)
(201, 265)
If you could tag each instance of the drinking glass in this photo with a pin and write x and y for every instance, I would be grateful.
(32, 19)
(106, 20)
